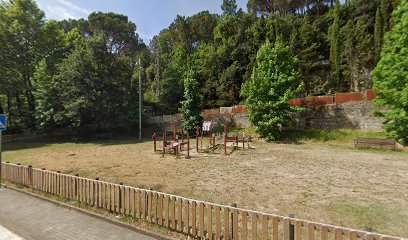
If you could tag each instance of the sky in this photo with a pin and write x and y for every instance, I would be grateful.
(150, 16)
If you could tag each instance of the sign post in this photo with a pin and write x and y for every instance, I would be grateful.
(3, 126)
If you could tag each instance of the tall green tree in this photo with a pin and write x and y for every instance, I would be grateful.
(229, 7)
(95, 86)
(391, 77)
(378, 35)
(334, 48)
(48, 92)
(349, 55)
(385, 10)
(190, 106)
(23, 46)
(274, 81)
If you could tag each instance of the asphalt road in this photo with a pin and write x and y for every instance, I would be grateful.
(26, 217)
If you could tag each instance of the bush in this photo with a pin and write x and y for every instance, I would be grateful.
(275, 80)
(391, 77)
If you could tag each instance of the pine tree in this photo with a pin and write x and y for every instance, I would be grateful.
(391, 76)
(334, 48)
(385, 14)
(294, 44)
(349, 68)
(229, 7)
(378, 35)
(308, 54)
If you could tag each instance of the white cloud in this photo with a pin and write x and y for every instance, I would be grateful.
(62, 9)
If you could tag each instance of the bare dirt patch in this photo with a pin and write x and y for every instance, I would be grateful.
(326, 182)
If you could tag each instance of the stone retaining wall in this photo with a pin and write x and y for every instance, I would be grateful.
(349, 115)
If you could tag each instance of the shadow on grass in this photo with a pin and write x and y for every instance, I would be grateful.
(326, 135)
(119, 140)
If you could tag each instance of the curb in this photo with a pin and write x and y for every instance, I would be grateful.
(95, 215)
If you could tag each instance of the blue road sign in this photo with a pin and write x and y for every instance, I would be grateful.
(3, 122)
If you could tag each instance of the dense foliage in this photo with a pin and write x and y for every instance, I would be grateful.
(190, 109)
(82, 72)
(274, 81)
(391, 76)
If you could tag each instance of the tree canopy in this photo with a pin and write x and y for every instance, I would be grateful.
(391, 76)
(42, 62)
(275, 80)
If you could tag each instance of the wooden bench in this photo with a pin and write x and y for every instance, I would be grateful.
(375, 142)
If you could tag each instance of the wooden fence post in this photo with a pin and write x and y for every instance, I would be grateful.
(30, 175)
(97, 192)
(43, 180)
(234, 222)
(291, 229)
(120, 204)
(77, 187)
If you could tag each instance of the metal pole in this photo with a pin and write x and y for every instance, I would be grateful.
(140, 100)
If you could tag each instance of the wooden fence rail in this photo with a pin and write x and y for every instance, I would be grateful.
(198, 219)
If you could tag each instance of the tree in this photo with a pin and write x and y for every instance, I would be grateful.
(385, 14)
(378, 35)
(47, 91)
(274, 81)
(95, 87)
(229, 7)
(334, 48)
(190, 109)
(391, 77)
(22, 48)
(348, 54)
(310, 53)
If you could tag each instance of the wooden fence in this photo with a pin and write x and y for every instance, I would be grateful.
(198, 219)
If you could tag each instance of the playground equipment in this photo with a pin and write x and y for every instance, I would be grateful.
(175, 145)
(234, 139)
(178, 145)
(205, 129)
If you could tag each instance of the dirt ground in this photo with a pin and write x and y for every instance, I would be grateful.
(325, 182)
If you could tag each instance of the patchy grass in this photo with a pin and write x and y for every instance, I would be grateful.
(319, 177)
(370, 217)
(342, 136)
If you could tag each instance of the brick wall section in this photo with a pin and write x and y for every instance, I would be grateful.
(300, 102)
(348, 97)
(338, 98)
(321, 112)
(320, 100)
